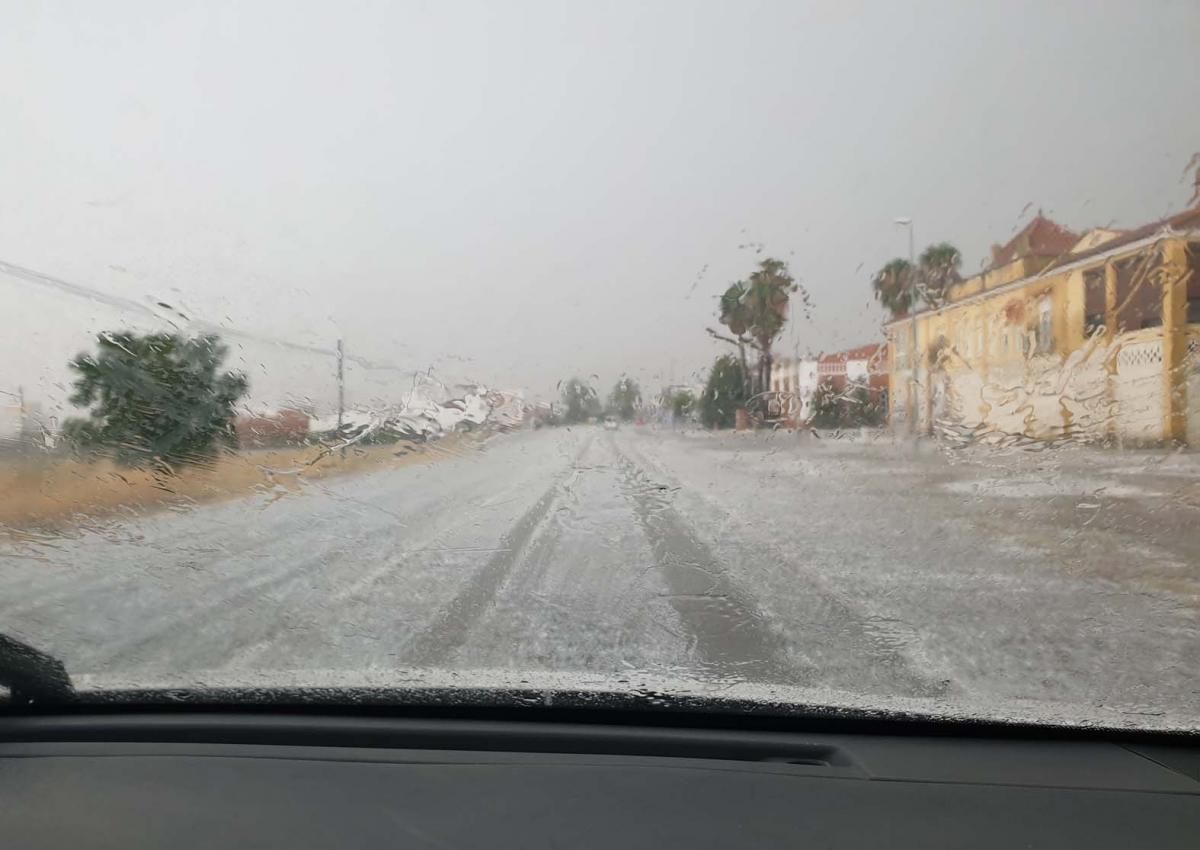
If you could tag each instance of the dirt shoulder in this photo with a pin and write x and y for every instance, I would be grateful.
(47, 492)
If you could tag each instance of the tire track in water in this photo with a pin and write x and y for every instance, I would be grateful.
(438, 643)
(838, 640)
(725, 624)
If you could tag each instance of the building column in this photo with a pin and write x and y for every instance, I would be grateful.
(1110, 300)
(927, 365)
(984, 360)
(1175, 273)
(913, 394)
(894, 394)
(910, 388)
(1110, 359)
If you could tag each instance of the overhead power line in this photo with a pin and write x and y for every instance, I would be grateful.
(79, 291)
(88, 293)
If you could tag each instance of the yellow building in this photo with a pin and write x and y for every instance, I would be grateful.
(1092, 337)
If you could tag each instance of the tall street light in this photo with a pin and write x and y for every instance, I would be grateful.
(907, 221)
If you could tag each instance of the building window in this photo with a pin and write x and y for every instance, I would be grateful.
(1045, 327)
(1139, 291)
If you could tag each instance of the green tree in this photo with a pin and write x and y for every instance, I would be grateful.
(682, 402)
(155, 399)
(937, 268)
(724, 393)
(579, 400)
(826, 406)
(624, 398)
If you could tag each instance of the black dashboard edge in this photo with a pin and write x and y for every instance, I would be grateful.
(177, 714)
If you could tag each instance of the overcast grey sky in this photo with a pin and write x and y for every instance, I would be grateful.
(535, 188)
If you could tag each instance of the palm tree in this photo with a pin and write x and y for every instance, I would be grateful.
(895, 287)
(899, 287)
(937, 268)
(734, 315)
(766, 301)
(733, 309)
(755, 311)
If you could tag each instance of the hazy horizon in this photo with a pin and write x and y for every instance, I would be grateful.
(518, 197)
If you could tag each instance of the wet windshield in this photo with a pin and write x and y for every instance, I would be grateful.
(796, 352)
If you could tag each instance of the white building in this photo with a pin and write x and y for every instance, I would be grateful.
(795, 377)
(798, 378)
(807, 379)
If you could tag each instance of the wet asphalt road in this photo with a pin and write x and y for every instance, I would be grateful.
(868, 569)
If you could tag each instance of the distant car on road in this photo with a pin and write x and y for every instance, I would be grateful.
(610, 423)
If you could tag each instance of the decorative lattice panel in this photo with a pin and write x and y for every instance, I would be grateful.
(1140, 355)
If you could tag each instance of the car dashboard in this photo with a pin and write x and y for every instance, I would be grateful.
(133, 780)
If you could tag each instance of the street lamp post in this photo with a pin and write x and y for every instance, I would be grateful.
(912, 326)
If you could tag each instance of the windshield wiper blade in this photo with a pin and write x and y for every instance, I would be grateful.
(31, 675)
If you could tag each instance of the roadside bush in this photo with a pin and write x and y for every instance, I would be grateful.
(860, 410)
(723, 394)
(826, 407)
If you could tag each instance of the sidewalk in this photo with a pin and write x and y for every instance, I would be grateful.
(1031, 457)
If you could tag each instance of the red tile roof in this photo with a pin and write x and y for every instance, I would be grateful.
(1040, 238)
(1185, 220)
(1188, 220)
(863, 352)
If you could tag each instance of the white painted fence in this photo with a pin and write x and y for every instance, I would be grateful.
(1050, 397)
(1140, 386)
